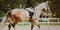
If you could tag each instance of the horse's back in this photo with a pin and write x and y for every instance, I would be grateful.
(20, 13)
(15, 11)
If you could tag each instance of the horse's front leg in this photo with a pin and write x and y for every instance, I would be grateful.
(32, 25)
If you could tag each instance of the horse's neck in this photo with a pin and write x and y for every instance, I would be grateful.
(37, 13)
(38, 9)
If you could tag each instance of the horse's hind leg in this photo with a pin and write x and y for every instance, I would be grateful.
(9, 26)
(14, 25)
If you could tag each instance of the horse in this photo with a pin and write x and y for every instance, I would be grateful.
(17, 15)
(38, 10)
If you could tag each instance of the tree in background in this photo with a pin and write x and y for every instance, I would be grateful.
(55, 7)
(6, 5)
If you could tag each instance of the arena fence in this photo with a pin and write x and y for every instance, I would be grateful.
(47, 21)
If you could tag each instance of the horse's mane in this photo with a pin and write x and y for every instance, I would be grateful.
(41, 5)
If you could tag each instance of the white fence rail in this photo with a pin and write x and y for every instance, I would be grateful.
(47, 19)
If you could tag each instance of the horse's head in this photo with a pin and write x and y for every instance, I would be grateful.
(42, 7)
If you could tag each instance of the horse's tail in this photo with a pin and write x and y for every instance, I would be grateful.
(8, 14)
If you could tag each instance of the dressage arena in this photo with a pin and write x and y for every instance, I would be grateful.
(42, 27)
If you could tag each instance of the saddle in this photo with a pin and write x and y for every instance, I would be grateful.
(30, 14)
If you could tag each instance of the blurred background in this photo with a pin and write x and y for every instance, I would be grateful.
(6, 5)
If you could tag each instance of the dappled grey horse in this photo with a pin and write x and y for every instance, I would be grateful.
(17, 15)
